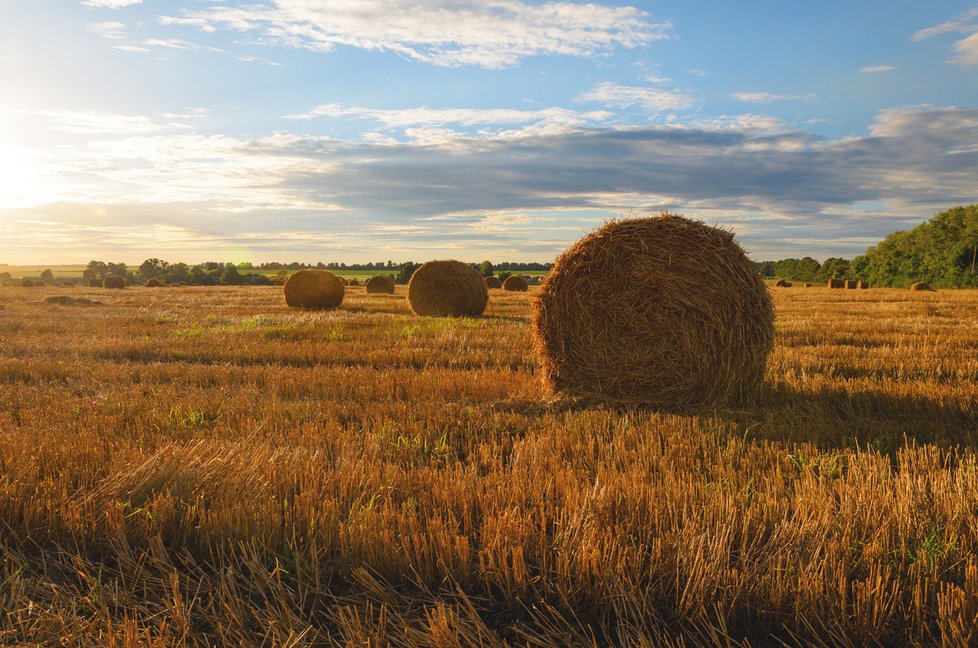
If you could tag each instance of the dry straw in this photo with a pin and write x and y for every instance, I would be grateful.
(447, 289)
(493, 283)
(515, 283)
(154, 283)
(383, 284)
(313, 290)
(920, 286)
(114, 281)
(666, 312)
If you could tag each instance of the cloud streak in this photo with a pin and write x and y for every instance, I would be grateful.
(485, 33)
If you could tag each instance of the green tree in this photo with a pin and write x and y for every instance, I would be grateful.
(153, 269)
(404, 274)
(95, 270)
(486, 269)
(231, 276)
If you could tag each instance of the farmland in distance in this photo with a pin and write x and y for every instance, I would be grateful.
(205, 466)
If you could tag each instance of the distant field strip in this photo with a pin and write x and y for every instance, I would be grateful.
(205, 466)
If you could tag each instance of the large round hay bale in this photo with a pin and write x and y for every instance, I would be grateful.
(836, 283)
(114, 281)
(493, 283)
(781, 283)
(863, 285)
(665, 312)
(381, 284)
(354, 282)
(808, 284)
(154, 283)
(343, 280)
(852, 284)
(447, 289)
(27, 283)
(920, 286)
(94, 283)
(313, 290)
(515, 283)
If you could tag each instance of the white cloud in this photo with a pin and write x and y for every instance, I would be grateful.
(873, 69)
(113, 30)
(652, 100)
(466, 117)
(111, 4)
(768, 97)
(486, 33)
(965, 50)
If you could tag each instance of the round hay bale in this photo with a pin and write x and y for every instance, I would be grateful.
(515, 283)
(852, 284)
(664, 312)
(354, 282)
(381, 284)
(863, 285)
(114, 281)
(154, 283)
(313, 290)
(447, 289)
(27, 283)
(94, 283)
(836, 283)
(343, 280)
(920, 286)
(781, 283)
(493, 283)
(808, 284)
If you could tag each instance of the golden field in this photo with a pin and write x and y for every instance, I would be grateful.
(203, 466)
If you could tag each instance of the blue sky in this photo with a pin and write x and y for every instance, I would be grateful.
(357, 130)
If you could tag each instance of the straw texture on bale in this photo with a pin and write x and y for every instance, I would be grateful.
(664, 312)
(515, 283)
(920, 285)
(863, 284)
(836, 283)
(493, 283)
(154, 283)
(94, 283)
(114, 281)
(781, 283)
(313, 290)
(447, 289)
(381, 284)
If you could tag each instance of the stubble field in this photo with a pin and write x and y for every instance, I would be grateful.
(204, 466)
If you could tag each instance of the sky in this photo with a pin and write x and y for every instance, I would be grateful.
(375, 130)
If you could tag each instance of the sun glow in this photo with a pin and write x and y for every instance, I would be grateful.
(20, 185)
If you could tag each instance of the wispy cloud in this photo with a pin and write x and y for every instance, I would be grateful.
(652, 100)
(874, 69)
(486, 33)
(965, 50)
(111, 4)
(768, 97)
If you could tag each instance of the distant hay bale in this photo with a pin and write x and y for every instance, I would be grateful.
(383, 284)
(154, 283)
(515, 283)
(781, 283)
(447, 289)
(664, 312)
(94, 283)
(808, 284)
(313, 290)
(354, 282)
(863, 284)
(27, 283)
(114, 281)
(493, 283)
(852, 284)
(343, 280)
(921, 286)
(836, 283)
